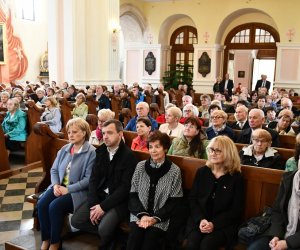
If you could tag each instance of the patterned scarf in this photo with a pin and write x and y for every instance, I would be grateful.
(293, 207)
(99, 134)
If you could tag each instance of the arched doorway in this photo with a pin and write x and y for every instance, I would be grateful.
(259, 41)
(182, 41)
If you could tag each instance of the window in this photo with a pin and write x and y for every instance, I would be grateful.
(182, 41)
(28, 12)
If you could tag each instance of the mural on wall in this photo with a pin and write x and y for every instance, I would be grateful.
(17, 62)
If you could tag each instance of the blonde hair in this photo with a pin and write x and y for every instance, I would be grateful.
(286, 113)
(15, 102)
(220, 113)
(81, 124)
(106, 113)
(261, 133)
(175, 112)
(232, 161)
(53, 101)
(80, 95)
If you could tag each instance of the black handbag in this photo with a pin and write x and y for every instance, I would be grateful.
(255, 227)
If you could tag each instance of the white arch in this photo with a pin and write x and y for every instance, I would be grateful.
(134, 12)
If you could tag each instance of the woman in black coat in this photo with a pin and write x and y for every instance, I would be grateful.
(216, 198)
(260, 153)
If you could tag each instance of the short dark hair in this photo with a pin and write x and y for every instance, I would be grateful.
(144, 120)
(270, 109)
(261, 97)
(213, 106)
(117, 123)
(243, 102)
(163, 139)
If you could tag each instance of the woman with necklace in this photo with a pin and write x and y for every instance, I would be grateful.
(216, 198)
(70, 175)
(172, 127)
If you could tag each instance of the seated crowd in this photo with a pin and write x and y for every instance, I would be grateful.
(101, 186)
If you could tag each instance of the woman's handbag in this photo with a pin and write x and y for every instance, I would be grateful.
(255, 226)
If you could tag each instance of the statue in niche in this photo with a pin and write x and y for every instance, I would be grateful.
(204, 64)
(150, 63)
(44, 71)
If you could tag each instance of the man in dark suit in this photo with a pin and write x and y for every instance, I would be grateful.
(241, 117)
(256, 120)
(109, 186)
(226, 86)
(263, 83)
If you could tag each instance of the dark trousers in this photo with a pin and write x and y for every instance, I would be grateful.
(145, 239)
(213, 241)
(106, 227)
(51, 213)
(261, 243)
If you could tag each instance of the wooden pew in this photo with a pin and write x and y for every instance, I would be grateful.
(115, 104)
(32, 145)
(261, 184)
(92, 105)
(160, 101)
(4, 161)
(66, 109)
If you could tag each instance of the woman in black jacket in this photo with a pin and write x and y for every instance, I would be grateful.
(155, 192)
(284, 232)
(260, 153)
(216, 198)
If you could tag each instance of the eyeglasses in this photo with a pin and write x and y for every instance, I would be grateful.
(101, 121)
(216, 117)
(188, 111)
(259, 140)
(211, 150)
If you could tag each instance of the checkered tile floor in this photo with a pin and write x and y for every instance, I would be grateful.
(15, 212)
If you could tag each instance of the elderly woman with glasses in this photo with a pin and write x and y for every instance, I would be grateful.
(190, 110)
(216, 198)
(218, 126)
(260, 153)
(193, 141)
(283, 124)
(104, 115)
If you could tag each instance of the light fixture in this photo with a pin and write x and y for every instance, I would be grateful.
(206, 36)
(290, 34)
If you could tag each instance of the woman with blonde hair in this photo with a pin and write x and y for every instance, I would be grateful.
(80, 109)
(52, 115)
(70, 174)
(172, 127)
(218, 126)
(283, 123)
(216, 198)
(103, 116)
(260, 153)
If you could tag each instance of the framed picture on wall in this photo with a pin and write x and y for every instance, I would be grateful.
(241, 74)
(2, 43)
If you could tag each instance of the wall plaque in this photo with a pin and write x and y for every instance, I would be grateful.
(204, 64)
(150, 63)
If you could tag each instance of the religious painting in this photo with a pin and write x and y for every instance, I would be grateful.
(204, 64)
(241, 74)
(150, 63)
(2, 43)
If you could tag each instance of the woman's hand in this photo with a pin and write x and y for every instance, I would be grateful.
(56, 190)
(206, 226)
(146, 221)
(96, 212)
(63, 190)
(276, 244)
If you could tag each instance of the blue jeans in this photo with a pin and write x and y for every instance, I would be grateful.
(51, 213)
(261, 243)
